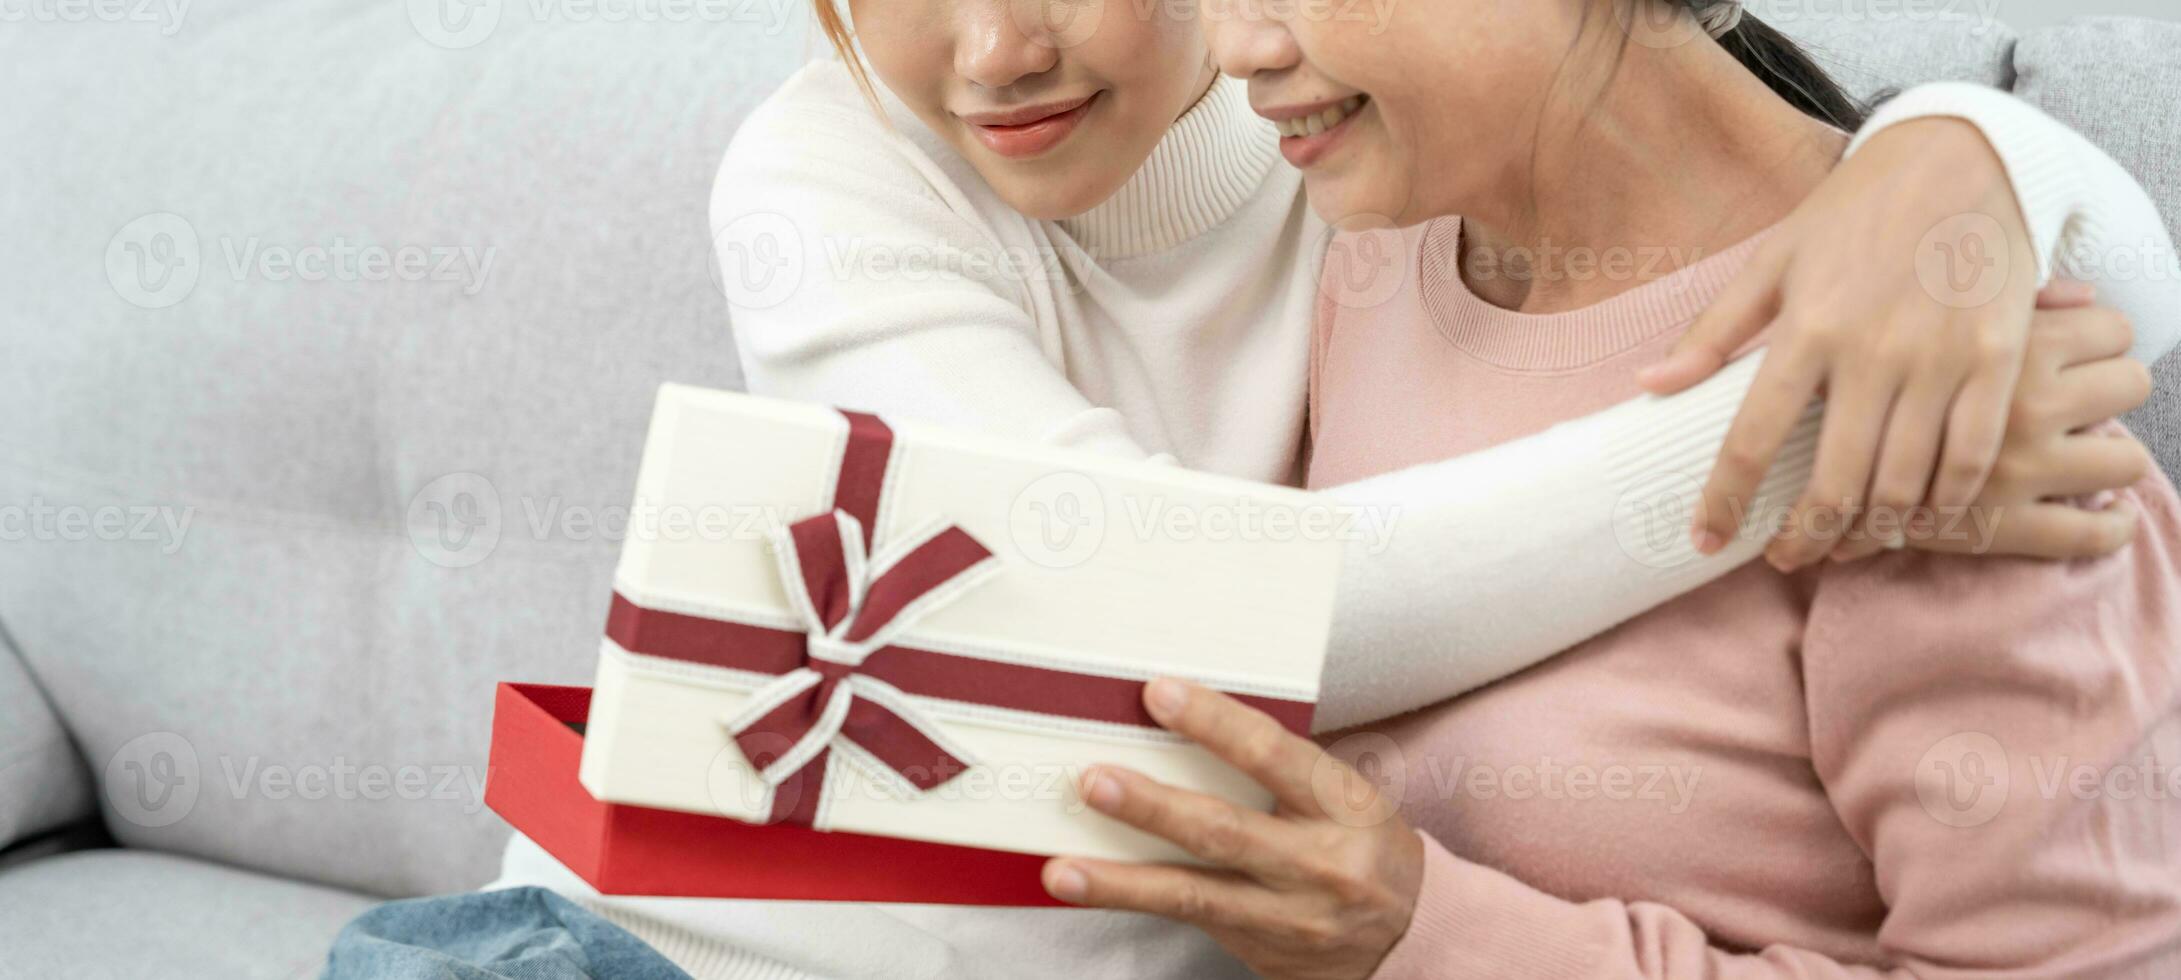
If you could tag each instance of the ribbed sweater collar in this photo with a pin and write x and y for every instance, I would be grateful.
(1566, 341)
(1212, 161)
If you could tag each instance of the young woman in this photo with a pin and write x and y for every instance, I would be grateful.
(1917, 766)
(1134, 272)
(1077, 233)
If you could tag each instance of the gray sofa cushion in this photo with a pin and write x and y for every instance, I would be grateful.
(286, 615)
(2115, 79)
(127, 915)
(1883, 50)
(42, 782)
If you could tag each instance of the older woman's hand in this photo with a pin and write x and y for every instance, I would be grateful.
(1323, 886)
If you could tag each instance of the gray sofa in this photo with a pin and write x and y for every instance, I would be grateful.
(328, 329)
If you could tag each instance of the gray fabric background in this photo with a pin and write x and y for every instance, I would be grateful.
(297, 628)
(43, 783)
(2077, 72)
(231, 690)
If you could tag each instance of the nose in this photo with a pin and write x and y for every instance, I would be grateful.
(1004, 41)
(1247, 37)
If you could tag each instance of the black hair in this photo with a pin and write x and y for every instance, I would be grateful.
(1785, 67)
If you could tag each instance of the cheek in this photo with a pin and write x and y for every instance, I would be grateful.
(913, 62)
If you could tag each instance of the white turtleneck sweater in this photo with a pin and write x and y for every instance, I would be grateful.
(870, 267)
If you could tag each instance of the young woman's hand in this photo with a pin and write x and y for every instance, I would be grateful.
(1321, 887)
(1902, 290)
(2076, 376)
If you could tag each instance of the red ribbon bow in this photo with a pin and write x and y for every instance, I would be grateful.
(851, 606)
(823, 692)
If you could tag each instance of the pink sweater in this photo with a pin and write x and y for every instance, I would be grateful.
(1913, 766)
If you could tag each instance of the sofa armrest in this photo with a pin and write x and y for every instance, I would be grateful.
(43, 781)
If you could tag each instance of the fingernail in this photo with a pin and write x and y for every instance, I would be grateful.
(1166, 697)
(1780, 561)
(1101, 790)
(1708, 541)
(1066, 882)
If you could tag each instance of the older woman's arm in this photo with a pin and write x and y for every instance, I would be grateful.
(2001, 737)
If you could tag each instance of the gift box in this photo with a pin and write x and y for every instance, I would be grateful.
(829, 620)
(537, 740)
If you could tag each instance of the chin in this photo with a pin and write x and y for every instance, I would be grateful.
(1349, 200)
(1055, 194)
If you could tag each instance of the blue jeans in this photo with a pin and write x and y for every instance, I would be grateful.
(509, 934)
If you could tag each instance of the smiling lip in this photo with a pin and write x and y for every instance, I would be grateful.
(1305, 150)
(1030, 130)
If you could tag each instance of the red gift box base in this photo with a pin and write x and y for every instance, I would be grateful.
(633, 850)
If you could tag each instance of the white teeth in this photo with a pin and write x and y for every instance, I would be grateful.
(1312, 125)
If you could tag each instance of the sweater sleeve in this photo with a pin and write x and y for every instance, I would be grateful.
(2008, 765)
(2088, 219)
(853, 280)
(1533, 546)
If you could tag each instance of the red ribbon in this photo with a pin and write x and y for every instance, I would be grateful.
(840, 671)
(850, 606)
